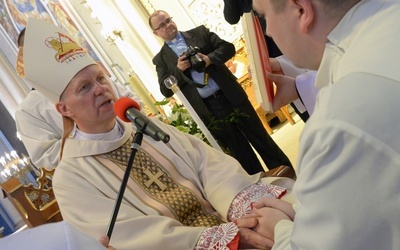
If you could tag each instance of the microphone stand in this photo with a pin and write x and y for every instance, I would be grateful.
(137, 141)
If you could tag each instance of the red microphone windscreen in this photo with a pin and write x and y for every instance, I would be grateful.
(122, 105)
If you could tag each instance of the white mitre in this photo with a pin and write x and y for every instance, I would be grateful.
(51, 58)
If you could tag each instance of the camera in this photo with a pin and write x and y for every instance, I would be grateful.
(195, 60)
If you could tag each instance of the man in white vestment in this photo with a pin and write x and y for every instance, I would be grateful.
(347, 188)
(180, 195)
(40, 125)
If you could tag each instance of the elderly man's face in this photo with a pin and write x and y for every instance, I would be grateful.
(89, 101)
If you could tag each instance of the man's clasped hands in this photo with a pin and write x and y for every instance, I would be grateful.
(257, 228)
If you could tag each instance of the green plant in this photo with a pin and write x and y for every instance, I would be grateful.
(183, 121)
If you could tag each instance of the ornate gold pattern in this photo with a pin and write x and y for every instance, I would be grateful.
(154, 179)
(163, 188)
(246, 83)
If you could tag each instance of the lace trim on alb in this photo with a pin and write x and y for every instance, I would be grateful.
(241, 205)
(217, 237)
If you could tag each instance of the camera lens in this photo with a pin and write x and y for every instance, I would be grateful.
(195, 60)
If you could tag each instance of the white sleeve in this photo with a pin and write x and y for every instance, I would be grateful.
(305, 85)
(347, 190)
(290, 70)
(40, 127)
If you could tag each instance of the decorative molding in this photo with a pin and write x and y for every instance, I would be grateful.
(210, 13)
(240, 46)
(246, 83)
(148, 6)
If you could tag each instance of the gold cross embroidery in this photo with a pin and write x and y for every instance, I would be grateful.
(154, 179)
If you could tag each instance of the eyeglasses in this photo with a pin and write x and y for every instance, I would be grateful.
(164, 24)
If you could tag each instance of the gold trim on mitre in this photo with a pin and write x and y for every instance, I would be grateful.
(51, 58)
(20, 62)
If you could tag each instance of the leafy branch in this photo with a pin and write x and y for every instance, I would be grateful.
(182, 120)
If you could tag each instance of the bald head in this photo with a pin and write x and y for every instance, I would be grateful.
(155, 13)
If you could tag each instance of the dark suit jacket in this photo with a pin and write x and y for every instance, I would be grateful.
(219, 51)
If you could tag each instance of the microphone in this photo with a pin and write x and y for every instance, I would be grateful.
(129, 111)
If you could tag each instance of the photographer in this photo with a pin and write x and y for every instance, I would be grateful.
(213, 91)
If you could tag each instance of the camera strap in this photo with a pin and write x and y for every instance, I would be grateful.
(206, 75)
(197, 85)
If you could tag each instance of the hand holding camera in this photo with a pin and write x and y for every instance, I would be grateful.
(195, 59)
(183, 62)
